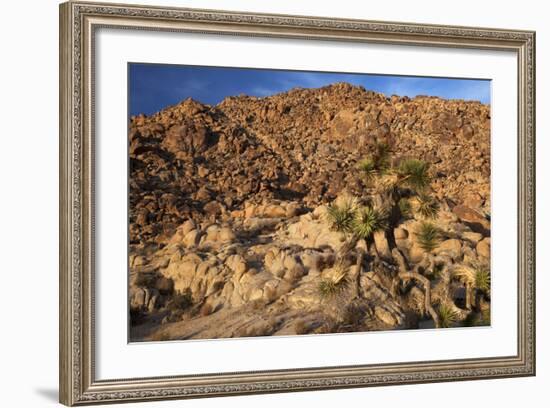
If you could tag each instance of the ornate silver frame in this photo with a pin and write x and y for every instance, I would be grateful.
(78, 22)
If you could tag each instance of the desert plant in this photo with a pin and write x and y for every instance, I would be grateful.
(405, 207)
(427, 206)
(414, 174)
(476, 276)
(368, 167)
(482, 279)
(428, 236)
(378, 162)
(485, 318)
(476, 279)
(369, 220)
(340, 215)
(333, 286)
(447, 316)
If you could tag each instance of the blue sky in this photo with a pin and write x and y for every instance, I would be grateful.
(152, 87)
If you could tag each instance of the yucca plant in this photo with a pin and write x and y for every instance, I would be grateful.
(427, 206)
(333, 286)
(428, 236)
(377, 163)
(483, 279)
(341, 215)
(414, 174)
(477, 276)
(447, 316)
(368, 167)
(368, 220)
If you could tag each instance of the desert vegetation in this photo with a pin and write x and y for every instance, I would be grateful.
(329, 210)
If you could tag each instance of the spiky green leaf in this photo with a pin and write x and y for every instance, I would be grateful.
(428, 236)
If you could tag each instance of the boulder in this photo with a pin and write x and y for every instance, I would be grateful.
(400, 233)
(192, 238)
(183, 272)
(416, 253)
(451, 247)
(472, 218)
(473, 237)
(381, 243)
(237, 264)
(483, 248)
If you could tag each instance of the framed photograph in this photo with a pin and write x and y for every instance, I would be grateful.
(256, 203)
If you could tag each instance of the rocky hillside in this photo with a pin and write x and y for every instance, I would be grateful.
(198, 161)
(232, 228)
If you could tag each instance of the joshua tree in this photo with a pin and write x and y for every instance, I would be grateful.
(390, 184)
(476, 279)
(389, 188)
(393, 190)
(356, 221)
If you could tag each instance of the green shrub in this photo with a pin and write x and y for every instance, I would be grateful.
(482, 279)
(369, 220)
(333, 286)
(414, 174)
(341, 215)
(447, 316)
(427, 206)
(476, 275)
(368, 167)
(428, 236)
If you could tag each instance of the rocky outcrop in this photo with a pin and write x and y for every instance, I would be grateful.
(277, 275)
(215, 162)
(228, 215)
